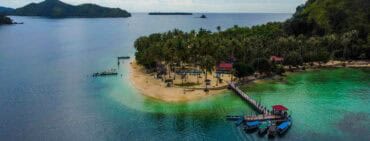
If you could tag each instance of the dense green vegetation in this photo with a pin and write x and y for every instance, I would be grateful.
(319, 31)
(5, 20)
(321, 17)
(58, 9)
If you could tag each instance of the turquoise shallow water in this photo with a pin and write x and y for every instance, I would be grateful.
(46, 94)
(326, 104)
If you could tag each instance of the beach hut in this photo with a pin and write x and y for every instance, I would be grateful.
(276, 59)
(224, 68)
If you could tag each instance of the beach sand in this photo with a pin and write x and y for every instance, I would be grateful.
(350, 64)
(155, 88)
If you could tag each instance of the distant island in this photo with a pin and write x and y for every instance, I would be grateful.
(5, 10)
(58, 9)
(170, 13)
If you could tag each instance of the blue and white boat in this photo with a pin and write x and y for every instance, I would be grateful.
(250, 126)
(284, 126)
(239, 122)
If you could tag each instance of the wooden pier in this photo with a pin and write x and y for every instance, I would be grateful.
(106, 73)
(265, 114)
(123, 57)
(262, 117)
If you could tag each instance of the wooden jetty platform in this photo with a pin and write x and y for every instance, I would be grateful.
(123, 57)
(265, 114)
(262, 117)
(106, 73)
(257, 106)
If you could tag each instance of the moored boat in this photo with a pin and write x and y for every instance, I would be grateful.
(272, 131)
(284, 126)
(250, 126)
(239, 122)
(262, 129)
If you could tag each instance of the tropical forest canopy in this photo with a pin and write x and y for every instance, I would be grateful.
(320, 30)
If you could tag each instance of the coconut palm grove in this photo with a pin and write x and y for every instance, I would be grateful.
(319, 31)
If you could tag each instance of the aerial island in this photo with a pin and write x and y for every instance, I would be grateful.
(178, 66)
(59, 9)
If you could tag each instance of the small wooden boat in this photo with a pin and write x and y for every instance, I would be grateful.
(239, 122)
(284, 126)
(203, 16)
(262, 129)
(272, 131)
(251, 126)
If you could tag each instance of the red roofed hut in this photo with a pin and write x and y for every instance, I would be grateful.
(276, 59)
(279, 110)
(224, 67)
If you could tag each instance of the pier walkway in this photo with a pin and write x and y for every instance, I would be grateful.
(260, 108)
(265, 113)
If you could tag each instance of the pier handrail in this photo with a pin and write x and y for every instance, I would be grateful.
(259, 107)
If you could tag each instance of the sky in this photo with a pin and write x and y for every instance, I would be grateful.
(217, 6)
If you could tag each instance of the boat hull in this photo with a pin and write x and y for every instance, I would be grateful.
(262, 131)
(284, 126)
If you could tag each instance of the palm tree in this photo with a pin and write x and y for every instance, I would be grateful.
(207, 64)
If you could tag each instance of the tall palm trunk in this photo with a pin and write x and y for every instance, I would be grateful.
(206, 78)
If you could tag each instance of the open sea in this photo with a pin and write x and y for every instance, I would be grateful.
(47, 94)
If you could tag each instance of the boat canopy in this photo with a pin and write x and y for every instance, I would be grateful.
(254, 123)
(279, 108)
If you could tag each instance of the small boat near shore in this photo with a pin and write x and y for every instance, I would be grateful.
(263, 128)
(251, 126)
(284, 126)
(272, 131)
(239, 122)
